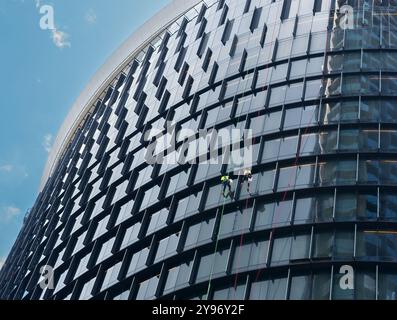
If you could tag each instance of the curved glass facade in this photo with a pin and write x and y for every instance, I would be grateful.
(315, 84)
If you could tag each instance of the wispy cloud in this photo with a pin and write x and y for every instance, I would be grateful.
(90, 17)
(2, 261)
(47, 22)
(6, 168)
(47, 142)
(60, 38)
(8, 213)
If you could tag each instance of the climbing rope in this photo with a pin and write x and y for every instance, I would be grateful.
(246, 206)
(216, 247)
(278, 211)
(239, 250)
(301, 147)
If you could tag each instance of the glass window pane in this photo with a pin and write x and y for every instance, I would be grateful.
(365, 285)
(271, 150)
(281, 251)
(370, 110)
(323, 243)
(346, 206)
(272, 122)
(388, 111)
(288, 147)
(344, 244)
(388, 140)
(337, 292)
(277, 289)
(266, 180)
(388, 172)
(264, 215)
(349, 139)
(304, 210)
(340, 172)
(388, 206)
(367, 244)
(368, 171)
(387, 285)
(250, 255)
(300, 287)
(300, 248)
(367, 206)
(282, 213)
(321, 286)
(210, 265)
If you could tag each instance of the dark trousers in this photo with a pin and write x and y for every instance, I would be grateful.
(226, 185)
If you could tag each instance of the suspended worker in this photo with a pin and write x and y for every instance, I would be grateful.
(248, 178)
(227, 183)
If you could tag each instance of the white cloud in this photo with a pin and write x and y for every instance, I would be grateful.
(9, 213)
(2, 261)
(91, 17)
(60, 38)
(47, 142)
(6, 168)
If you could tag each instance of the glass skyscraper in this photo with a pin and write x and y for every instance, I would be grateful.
(316, 83)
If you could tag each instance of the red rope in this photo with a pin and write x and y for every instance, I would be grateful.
(285, 193)
(277, 213)
(239, 250)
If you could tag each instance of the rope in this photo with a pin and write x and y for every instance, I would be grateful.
(239, 251)
(297, 175)
(246, 207)
(278, 211)
(216, 247)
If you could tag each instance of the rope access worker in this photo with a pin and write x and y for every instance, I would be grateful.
(227, 183)
(248, 178)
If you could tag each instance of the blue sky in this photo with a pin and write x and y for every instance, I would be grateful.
(42, 72)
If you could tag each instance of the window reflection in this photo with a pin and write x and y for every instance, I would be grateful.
(167, 247)
(250, 255)
(273, 214)
(387, 285)
(365, 285)
(111, 276)
(370, 110)
(147, 289)
(388, 140)
(339, 112)
(200, 233)
(229, 293)
(177, 277)
(235, 222)
(271, 289)
(318, 208)
(337, 172)
(212, 265)
(377, 245)
(388, 206)
(300, 287)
